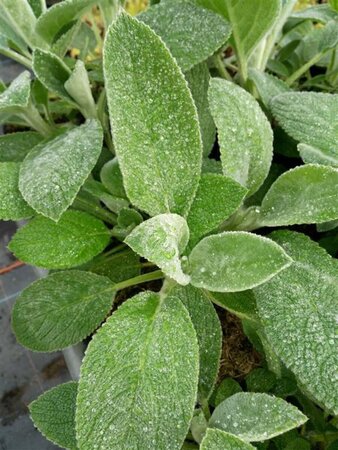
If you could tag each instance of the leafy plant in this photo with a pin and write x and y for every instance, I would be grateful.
(115, 165)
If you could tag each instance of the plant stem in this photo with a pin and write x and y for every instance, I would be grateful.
(17, 57)
(271, 39)
(205, 408)
(292, 78)
(32, 116)
(152, 276)
(221, 68)
(95, 210)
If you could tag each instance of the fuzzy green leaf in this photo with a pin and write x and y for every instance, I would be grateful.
(72, 241)
(244, 134)
(52, 72)
(219, 440)
(111, 178)
(20, 17)
(59, 15)
(61, 310)
(317, 13)
(191, 33)
(12, 205)
(15, 146)
(268, 86)
(161, 240)
(227, 388)
(198, 80)
(309, 117)
(312, 155)
(235, 261)
(53, 173)
(319, 40)
(298, 309)
(255, 416)
(53, 414)
(118, 267)
(16, 96)
(305, 194)
(250, 20)
(139, 378)
(38, 6)
(78, 87)
(153, 118)
(242, 304)
(217, 197)
(209, 335)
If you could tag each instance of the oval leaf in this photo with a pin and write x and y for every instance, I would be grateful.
(244, 134)
(312, 155)
(198, 80)
(53, 173)
(217, 197)
(256, 417)
(162, 240)
(12, 205)
(160, 154)
(235, 261)
(309, 117)
(52, 72)
(72, 241)
(191, 33)
(219, 440)
(53, 414)
(209, 335)
(16, 96)
(61, 310)
(139, 377)
(250, 20)
(305, 194)
(59, 15)
(15, 146)
(111, 178)
(298, 309)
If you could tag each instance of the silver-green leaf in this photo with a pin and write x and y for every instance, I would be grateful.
(78, 87)
(14, 147)
(161, 240)
(53, 414)
(191, 33)
(312, 155)
(139, 378)
(59, 15)
(12, 205)
(305, 194)
(16, 96)
(217, 197)
(52, 72)
(75, 239)
(298, 309)
(153, 118)
(267, 85)
(61, 310)
(244, 134)
(198, 80)
(235, 261)
(209, 335)
(220, 440)
(250, 21)
(256, 417)
(309, 117)
(53, 173)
